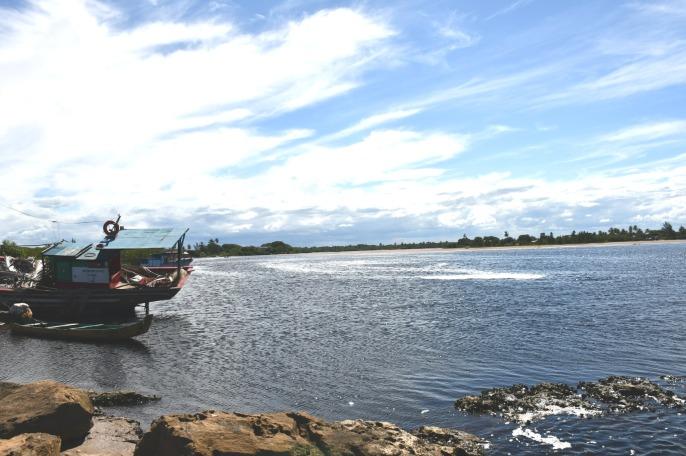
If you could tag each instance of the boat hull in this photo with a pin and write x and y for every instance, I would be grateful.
(111, 333)
(80, 303)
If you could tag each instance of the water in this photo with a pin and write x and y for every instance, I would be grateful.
(398, 336)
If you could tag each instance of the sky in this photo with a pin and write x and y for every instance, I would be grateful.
(335, 122)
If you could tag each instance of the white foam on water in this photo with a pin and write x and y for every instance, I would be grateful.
(211, 272)
(551, 440)
(550, 409)
(383, 269)
(300, 268)
(323, 267)
(678, 399)
(484, 275)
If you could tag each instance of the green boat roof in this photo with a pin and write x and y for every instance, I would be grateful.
(67, 249)
(154, 238)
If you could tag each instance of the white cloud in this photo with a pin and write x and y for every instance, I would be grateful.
(648, 132)
(630, 78)
(671, 8)
(484, 204)
(106, 116)
(374, 121)
(382, 156)
(160, 122)
(508, 9)
(457, 37)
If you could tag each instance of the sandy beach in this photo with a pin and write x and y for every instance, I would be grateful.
(499, 248)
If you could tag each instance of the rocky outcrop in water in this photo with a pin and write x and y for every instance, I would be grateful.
(624, 394)
(31, 445)
(297, 434)
(613, 394)
(522, 403)
(120, 398)
(44, 407)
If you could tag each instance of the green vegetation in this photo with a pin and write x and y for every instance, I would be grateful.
(633, 233)
(10, 248)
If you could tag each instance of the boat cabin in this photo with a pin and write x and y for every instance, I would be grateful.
(72, 265)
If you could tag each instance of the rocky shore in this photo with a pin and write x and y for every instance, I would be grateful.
(48, 418)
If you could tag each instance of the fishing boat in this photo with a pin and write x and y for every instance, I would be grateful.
(78, 281)
(97, 332)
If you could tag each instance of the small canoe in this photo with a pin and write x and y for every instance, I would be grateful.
(99, 332)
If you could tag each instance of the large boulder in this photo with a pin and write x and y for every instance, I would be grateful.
(31, 445)
(295, 434)
(109, 436)
(47, 406)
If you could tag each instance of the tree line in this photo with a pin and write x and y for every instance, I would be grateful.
(633, 233)
(10, 248)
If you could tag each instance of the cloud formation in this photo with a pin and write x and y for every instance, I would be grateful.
(322, 124)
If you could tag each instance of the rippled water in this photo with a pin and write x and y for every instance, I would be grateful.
(398, 336)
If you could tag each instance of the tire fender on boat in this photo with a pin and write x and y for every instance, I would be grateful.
(110, 227)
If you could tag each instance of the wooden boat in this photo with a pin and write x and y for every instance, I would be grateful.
(80, 282)
(97, 332)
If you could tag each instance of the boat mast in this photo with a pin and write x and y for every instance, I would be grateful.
(179, 251)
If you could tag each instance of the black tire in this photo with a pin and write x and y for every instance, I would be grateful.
(110, 227)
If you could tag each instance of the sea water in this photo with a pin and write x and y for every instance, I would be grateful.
(398, 336)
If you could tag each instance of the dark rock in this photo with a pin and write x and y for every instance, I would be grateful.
(120, 398)
(629, 393)
(31, 445)
(47, 407)
(522, 403)
(609, 395)
(295, 434)
(109, 436)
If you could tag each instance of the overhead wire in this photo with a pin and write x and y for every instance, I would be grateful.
(83, 222)
(55, 224)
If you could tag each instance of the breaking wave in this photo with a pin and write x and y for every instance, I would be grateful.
(389, 270)
(484, 275)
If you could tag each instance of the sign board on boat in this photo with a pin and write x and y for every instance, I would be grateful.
(90, 275)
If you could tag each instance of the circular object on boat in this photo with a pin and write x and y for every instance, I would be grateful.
(21, 312)
(110, 227)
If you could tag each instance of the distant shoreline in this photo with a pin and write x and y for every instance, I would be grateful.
(615, 236)
(472, 249)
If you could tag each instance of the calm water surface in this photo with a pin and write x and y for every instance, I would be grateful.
(399, 336)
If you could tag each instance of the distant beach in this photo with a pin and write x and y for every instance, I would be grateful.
(488, 249)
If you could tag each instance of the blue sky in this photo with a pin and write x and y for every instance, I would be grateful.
(321, 122)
